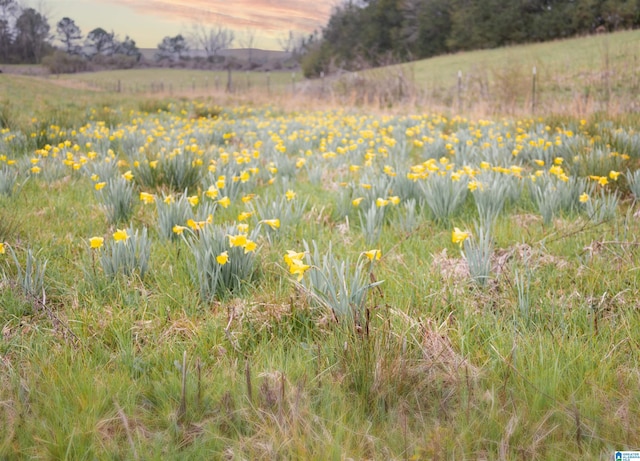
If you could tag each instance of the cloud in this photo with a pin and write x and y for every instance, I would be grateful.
(268, 16)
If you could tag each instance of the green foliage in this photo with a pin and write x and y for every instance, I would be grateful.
(128, 255)
(221, 267)
(478, 250)
(116, 199)
(377, 32)
(63, 63)
(8, 180)
(336, 284)
(29, 276)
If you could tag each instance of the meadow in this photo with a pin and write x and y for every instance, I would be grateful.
(209, 278)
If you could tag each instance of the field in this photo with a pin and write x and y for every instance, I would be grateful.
(198, 276)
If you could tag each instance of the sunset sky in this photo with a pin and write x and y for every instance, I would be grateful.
(148, 21)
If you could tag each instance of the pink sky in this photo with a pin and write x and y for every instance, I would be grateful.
(148, 21)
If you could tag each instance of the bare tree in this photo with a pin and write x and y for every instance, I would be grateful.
(212, 39)
(248, 42)
(287, 42)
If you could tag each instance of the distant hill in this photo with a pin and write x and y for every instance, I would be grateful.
(258, 56)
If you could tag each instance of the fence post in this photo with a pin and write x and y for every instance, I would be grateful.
(460, 92)
(229, 79)
(533, 92)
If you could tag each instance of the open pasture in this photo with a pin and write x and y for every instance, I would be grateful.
(181, 279)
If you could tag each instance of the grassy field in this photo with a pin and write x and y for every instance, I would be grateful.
(407, 286)
(581, 76)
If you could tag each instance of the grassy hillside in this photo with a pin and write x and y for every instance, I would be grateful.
(580, 76)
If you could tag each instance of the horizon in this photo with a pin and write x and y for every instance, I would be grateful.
(149, 21)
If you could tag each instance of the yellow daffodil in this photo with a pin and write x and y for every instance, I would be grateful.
(35, 169)
(2, 249)
(243, 228)
(147, 198)
(290, 194)
(356, 201)
(222, 258)
(96, 242)
(273, 223)
(614, 175)
(394, 200)
(178, 229)
(244, 215)
(211, 192)
(224, 202)
(459, 236)
(128, 175)
(250, 246)
(99, 185)
(584, 198)
(297, 267)
(603, 181)
(169, 199)
(193, 200)
(373, 255)
(239, 240)
(247, 198)
(380, 202)
(293, 255)
(120, 235)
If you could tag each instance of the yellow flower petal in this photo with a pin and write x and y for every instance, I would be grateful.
(96, 242)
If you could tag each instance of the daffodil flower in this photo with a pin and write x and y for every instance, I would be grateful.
(293, 255)
(584, 198)
(2, 249)
(297, 267)
(244, 215)
(169, 199)
(224, 202)
(99, 185)
(96, 242)
(243, 228)
(614, 175)
(211, 192)
(290, 194)
(459, 236)
(356, 201)
(373, 255)
(120, 235)
(147, 198)
(222, 258)
(128, 175)
(273, 223)
(193, 200)
(178, 230)
(250, 246)
(380, 202)
(239, 240)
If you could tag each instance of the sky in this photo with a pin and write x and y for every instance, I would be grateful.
(149, 21)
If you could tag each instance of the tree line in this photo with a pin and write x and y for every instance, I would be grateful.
(365, 33)
(26, 37)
